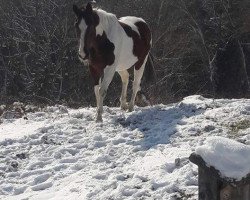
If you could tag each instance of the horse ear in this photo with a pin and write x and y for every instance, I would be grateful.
(89, 9)
(76, 10)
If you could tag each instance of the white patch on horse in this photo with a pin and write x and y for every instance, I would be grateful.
(83, 28)
(136, 83)
(106, 19)
(124, 57)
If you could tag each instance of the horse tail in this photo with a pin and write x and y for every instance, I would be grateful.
(149, 71)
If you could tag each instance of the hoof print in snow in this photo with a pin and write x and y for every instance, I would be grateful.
(21, 156)
(42, 186)
(138, 187)
(177, 162)
(63, 109)
(153, 188)
(122, 121)
(13, 166)
(100, 176)
(181, 194)
(74, 190)
(209, 128)
(197, 132)
(113, 166)
(46, 140)
(110, 111)
(12, 115)
(142, 178)
(241, 140)
(77, 115)
(122, 177)
(2, 174)
(90, 118)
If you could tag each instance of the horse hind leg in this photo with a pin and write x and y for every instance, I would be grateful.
(136, 84)
(125, 78)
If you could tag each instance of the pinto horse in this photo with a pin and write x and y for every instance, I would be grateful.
(107, 45)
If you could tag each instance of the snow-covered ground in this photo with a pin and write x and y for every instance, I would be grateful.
(62, 154)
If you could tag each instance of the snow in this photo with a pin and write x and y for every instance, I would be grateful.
(62, 154)
(233, 157)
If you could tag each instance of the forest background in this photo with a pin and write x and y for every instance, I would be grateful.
(199, 47)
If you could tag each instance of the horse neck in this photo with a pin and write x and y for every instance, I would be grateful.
(108, 22)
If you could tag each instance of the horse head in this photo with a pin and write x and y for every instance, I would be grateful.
(86, 21)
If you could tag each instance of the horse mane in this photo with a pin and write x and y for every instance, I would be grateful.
(107, 20)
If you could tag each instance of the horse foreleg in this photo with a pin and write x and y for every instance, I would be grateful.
(136, 84)
(109, 72)
(96, 75)
(97, 95)
(125, 78)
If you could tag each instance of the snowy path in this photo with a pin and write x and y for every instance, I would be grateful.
(64, 154)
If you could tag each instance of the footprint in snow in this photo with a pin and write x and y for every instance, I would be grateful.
(39, 164)
(42, 186)
(100, 144)
(122, 177)
(119, 141)
(40, 179)
(100, 176)
(68, 160)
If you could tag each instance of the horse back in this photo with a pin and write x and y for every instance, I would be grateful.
(138, 30)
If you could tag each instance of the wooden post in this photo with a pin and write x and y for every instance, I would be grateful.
(214, 187)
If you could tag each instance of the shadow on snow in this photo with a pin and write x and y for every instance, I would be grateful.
(158, 123)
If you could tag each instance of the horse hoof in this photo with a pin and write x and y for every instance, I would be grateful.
(124, 107)
(98, 120)
(131, 109)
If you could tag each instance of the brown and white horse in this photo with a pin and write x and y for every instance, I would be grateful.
(108, 45)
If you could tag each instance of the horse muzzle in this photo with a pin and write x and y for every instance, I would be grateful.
(84, 59)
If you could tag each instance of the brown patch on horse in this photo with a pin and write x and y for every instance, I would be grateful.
(105, 49)
(101, 54)
(141, 42)
(99, 51)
